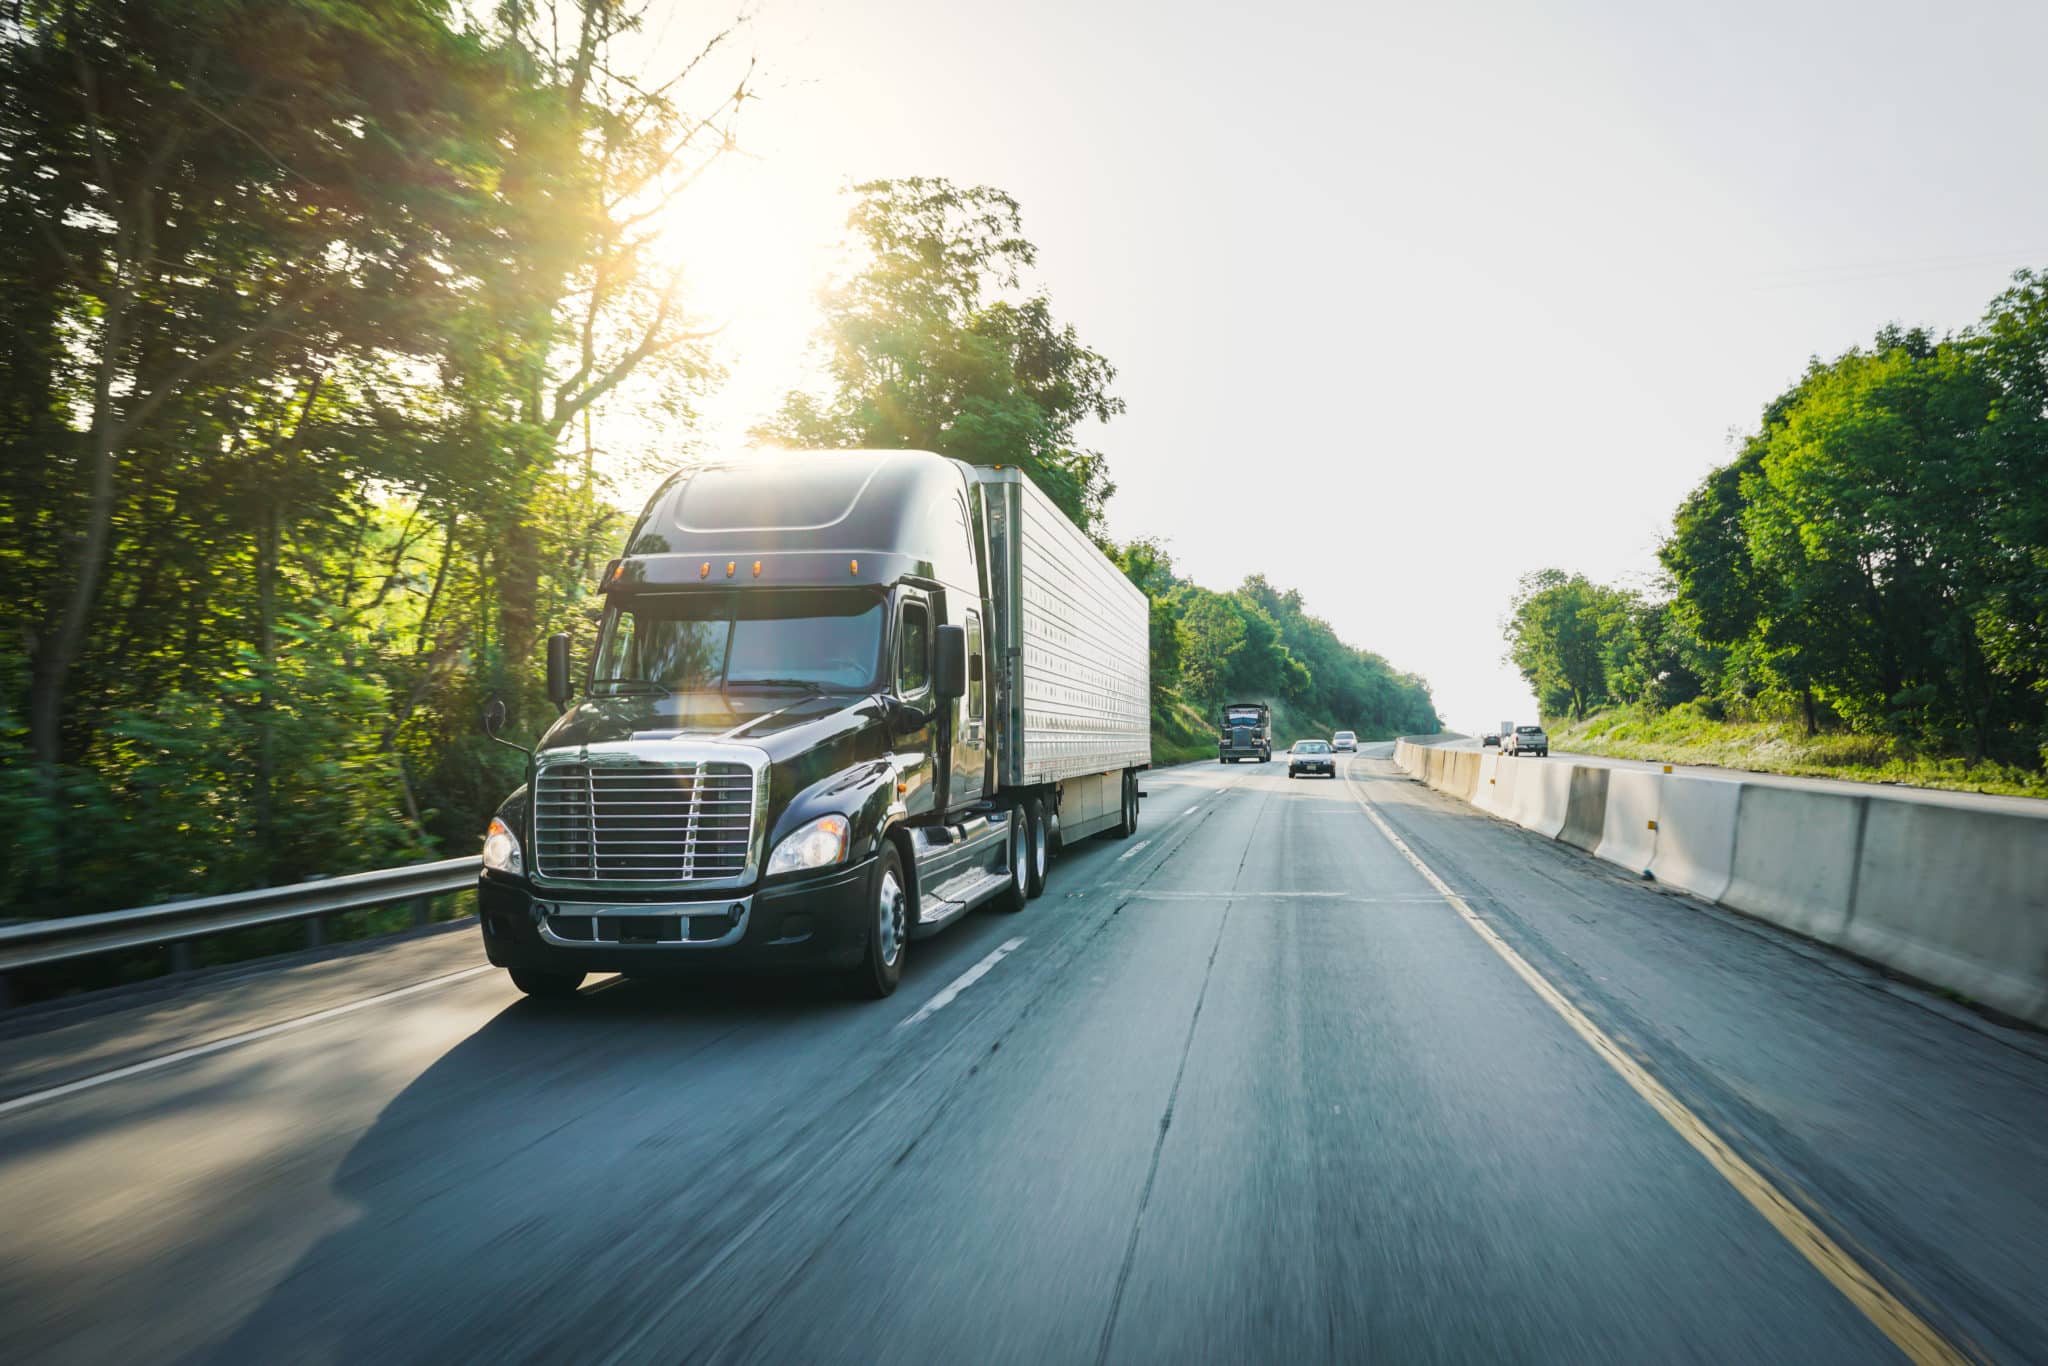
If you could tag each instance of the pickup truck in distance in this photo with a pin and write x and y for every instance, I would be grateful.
(1526, 740)
(824, 719)
(1247, 733)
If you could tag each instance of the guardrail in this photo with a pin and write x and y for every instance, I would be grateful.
(176, 923)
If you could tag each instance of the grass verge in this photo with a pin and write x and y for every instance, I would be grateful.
(1684, 736)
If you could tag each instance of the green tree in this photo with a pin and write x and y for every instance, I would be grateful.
(1555, 634)
(934, 344)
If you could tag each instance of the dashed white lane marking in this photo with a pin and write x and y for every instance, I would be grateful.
(1133, 851)
(964, 981)
(136, 1069)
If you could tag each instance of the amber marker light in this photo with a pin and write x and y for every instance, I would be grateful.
(853, 566)
(705, 572)
(757, 569)
(730, 566)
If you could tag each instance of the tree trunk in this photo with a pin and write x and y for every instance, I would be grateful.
(56, 648)
(1806, 711)
(266, 683)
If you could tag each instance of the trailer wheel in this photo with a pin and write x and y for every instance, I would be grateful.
(1038, 846)
(1127, 823)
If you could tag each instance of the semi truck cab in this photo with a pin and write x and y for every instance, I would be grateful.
(836, 701)
(1247, 733)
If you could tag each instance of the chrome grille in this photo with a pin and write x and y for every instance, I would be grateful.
(643, 822)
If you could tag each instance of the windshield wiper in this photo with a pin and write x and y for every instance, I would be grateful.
(813, 684)
(641, 684)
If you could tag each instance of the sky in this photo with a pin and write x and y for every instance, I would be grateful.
(1406, 300)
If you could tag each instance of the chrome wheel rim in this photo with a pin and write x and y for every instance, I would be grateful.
(889, 916)
(1017, 871)
(1038, 843)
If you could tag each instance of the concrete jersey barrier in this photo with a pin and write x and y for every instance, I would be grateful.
(1696, 834)
(1959, 898)
(1628, 827)
(1585, 811)
(1542, 795)
(1795, 858)
(1948, 895)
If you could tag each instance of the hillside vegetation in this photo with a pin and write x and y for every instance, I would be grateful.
(1259, 644)
(1862, 590)
(1686, 734)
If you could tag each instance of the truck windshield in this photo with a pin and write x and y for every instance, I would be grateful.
(1243, 718)
(701, 642)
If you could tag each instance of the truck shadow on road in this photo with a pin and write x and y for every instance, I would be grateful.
(550, 1180)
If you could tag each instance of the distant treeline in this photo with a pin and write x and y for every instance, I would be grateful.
(1875, 558)
(1261, 644)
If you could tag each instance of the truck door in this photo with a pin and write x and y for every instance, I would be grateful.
(970, 718)
(914, 686)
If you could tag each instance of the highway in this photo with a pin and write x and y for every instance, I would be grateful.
(1305, 1071)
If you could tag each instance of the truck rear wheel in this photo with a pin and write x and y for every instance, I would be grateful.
(1011, 899)
(1038, 847)
(1127, 822)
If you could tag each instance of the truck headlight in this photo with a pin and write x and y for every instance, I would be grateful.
(814, 844)
(501, 849)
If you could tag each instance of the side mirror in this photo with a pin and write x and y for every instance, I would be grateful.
(949, 675)
(494, 717)
(558, 671)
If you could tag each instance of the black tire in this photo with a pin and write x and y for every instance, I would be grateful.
(1017, 891)
(881, 965)
(1038, 847)
(1127, 823)
(547, 986)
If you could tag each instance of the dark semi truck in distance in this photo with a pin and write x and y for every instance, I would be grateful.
(838, 700)
(1247, 733)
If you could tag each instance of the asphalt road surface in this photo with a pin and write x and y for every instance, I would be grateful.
(1246, 1087)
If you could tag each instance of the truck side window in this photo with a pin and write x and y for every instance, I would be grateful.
(914, 650)
(974, 666)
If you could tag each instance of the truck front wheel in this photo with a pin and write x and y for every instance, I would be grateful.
(881, 966)
(547, 986)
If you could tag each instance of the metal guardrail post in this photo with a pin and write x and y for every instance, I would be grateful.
(423, 910)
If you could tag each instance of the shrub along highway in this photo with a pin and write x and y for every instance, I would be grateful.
(1306, 1070)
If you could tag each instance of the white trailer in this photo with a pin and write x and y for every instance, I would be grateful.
(1070, 643)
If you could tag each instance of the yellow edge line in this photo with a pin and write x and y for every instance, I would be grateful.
(1907, 1330)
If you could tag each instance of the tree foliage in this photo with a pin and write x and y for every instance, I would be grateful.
(1875, 557)
(304, 309)
(1261, 644)
(933, 343)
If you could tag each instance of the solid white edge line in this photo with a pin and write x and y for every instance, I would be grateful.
(136, 1069)
(964, 981)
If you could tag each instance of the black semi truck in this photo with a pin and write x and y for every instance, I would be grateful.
(838, 700)
(1247, 733)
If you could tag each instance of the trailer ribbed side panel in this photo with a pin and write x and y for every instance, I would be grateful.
(1079, 630)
